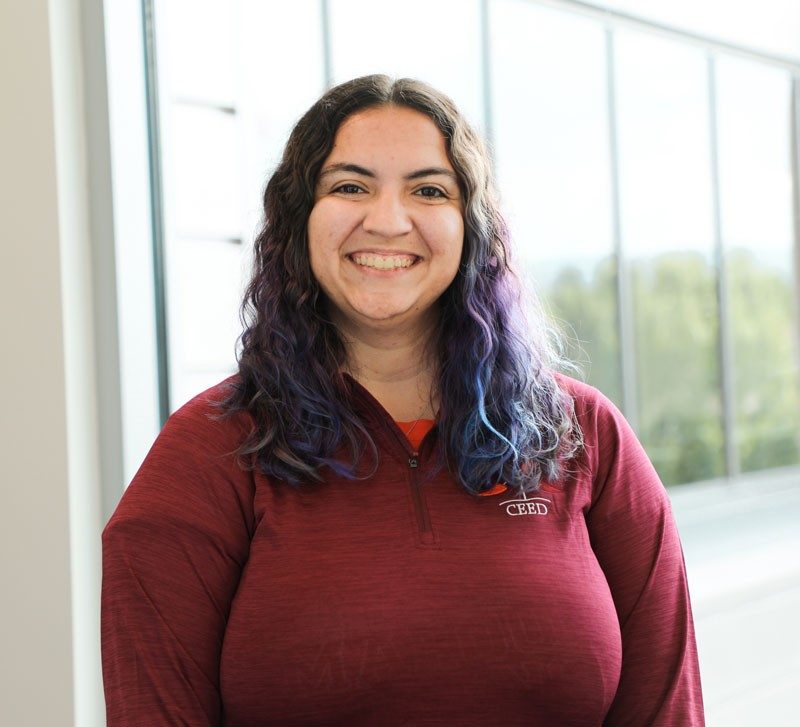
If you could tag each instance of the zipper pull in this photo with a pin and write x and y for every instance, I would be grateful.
(413, 461)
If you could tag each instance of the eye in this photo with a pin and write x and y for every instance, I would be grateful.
(347, 188)
(437, 193)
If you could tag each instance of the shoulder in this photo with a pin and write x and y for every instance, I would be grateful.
(592, 406)
(204, 415)
(190, 477)
(204, 401)
(195, 447)
(609, 442)
(200, 435)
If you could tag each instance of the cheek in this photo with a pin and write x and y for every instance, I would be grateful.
(447, 237)
(316, 233)
(314, 230)
(329, 226)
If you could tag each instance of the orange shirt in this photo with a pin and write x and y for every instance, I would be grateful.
(417, 430)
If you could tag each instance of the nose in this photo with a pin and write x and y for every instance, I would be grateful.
(387, 216)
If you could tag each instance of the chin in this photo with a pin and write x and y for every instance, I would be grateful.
(378, 315)
(382, 316)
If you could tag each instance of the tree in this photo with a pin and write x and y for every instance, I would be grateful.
(677, 355)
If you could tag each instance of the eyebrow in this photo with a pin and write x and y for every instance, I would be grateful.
(364, 172)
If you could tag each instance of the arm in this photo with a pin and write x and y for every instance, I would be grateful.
(173, 552)
(635, 539)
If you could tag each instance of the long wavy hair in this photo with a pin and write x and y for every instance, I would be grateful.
(502, 415)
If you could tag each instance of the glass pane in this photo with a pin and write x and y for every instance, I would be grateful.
(225, 113)
(768, 25)
(201, 173)
(206, 287)
(437, 42)
(756, 201)
(551, 146)
(667, 232)
(282, 74)
(198, 40)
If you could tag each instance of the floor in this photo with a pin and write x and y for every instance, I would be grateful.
(741, 542)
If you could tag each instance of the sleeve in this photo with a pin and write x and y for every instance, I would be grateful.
(635, 539)
(173, 552)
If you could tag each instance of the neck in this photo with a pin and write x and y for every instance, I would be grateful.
(398, 369)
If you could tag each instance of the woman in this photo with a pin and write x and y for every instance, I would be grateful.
(396, 512)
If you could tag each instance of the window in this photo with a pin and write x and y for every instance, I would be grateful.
(667, 234)
(551, 139)
(231, 84)
(756, 206)
(647, 182)
(424, 43)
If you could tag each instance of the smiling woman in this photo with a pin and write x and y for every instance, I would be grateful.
(385, 235)
(398, 511)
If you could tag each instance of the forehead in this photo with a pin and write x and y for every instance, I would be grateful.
(390, 132)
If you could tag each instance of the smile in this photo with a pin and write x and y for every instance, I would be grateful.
(383, 263)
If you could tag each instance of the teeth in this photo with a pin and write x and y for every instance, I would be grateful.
(384, 262)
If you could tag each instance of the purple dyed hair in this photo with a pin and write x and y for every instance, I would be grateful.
(502, 415)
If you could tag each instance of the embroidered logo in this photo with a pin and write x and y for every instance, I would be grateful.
(527, 505)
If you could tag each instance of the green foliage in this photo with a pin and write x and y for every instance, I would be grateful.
(587, 312)
(676, 324)
(676, 333)
(765, 370)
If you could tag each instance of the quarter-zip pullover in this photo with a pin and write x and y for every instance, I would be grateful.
(231, 599)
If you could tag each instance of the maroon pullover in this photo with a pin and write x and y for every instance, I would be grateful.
(230, 599)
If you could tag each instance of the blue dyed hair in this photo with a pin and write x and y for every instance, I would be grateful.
(502, 415)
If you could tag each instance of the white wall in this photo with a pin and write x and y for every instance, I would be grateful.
(49, 500)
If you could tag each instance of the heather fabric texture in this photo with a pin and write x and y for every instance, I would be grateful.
(228, 599)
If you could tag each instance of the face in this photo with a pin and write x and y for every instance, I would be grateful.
(386, 231)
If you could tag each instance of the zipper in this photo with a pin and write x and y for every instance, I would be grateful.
(425, 532)
(420, 506)
(424, 529)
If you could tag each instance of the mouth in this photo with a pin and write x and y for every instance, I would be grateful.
(383, 265)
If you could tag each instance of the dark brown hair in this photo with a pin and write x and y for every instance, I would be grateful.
(502, 416)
